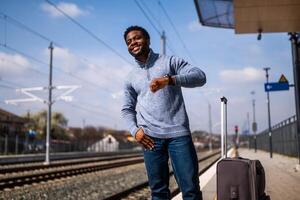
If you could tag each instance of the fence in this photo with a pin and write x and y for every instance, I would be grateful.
(284, 138)
(12, 145)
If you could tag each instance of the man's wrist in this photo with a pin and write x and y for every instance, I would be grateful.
(171, 80)
(139, 134)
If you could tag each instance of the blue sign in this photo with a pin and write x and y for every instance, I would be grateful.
(277, 86)
(31, 133)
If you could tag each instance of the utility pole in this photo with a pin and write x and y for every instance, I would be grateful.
(163, 43)
(295, 43)
(17, 143)
(248, 128)
(248, 123)
(269, 113)
(47, 161)
(210, 127)
(83, 126)
(254, 124)
(84, 143)
(49, 102)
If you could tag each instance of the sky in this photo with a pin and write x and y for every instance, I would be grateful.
(90, 52)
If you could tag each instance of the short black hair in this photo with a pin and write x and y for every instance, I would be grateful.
(136, 28)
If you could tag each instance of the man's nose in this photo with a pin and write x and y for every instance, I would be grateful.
(133, 42)
(132, 45)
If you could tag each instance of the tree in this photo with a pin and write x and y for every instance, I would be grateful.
(58, 125)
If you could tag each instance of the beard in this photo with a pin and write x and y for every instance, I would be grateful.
(144, 51)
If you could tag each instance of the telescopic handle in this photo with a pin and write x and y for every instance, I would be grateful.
(224, 126)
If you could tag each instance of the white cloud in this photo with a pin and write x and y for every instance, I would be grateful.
(245, 75)
(211, 91)
(70, 9)
(13, 64)
(104, 70)
(64, 59)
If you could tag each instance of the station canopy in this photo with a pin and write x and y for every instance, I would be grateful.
(250, 16)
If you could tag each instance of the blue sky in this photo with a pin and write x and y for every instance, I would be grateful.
(233, 63)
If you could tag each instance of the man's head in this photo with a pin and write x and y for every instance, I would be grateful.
(137, 40)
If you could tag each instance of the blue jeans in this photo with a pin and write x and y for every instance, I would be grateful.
(184, 162)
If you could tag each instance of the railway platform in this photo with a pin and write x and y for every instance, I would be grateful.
(282, 176)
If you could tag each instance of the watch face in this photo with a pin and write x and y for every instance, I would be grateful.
(169, 78)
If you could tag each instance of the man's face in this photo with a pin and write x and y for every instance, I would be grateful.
(137, 44)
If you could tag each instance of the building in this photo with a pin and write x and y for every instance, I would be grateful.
(12, 129)
(106, 144)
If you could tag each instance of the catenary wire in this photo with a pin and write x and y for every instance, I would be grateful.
(56, 68)
(169, 46)
(175, 29)
(34, 32)
(89, 32)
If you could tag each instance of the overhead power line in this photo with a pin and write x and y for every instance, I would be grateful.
(19, 24)
(177, 33)
(89, 32)
(169, 43)
(56, 68)
(23, 54)
(92, 111)
(11, 83)
(7, 87)
(151, 22)
(29, 67)
(148, 18)
(43, 63)
(152, 15)
(93, 108)
(23, 26)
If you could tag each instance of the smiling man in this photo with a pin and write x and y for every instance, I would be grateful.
(155, 113)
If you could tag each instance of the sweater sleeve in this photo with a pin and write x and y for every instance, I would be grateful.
(187, 75)
(128, 112)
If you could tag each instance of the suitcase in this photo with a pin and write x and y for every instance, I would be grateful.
(238, 178)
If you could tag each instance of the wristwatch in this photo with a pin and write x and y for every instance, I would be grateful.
(170, 80)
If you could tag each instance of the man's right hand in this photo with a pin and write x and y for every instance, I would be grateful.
(144, 139)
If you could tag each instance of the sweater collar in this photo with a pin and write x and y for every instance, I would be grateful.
(150, 60)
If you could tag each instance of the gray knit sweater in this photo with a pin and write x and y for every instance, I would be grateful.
(161, 114)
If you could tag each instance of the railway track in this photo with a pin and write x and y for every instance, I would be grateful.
(142, 187)
(34, 174)
(59, 174)
(40, 158)
(60, 163)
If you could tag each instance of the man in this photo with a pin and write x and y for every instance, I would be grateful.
(155, 113)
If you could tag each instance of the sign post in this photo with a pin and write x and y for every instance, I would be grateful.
(282, 84)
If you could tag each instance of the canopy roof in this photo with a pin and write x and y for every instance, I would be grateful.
(250, 16)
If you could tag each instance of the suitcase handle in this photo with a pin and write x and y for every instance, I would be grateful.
(224, 127)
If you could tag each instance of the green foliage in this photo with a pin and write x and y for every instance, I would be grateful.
(38, 122)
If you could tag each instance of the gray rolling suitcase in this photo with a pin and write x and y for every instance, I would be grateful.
(238, 178)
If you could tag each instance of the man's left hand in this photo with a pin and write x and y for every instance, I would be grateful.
(158, 83)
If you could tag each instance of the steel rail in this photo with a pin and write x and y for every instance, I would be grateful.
(34, 158)
(17, 169)
(20, 180)
(140, 186)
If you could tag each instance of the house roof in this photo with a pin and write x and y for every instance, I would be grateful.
(6, 116)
